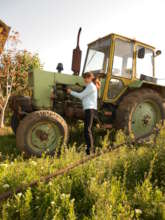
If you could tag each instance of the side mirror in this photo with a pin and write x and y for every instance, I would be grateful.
(158, 52)
(76, 58)
(141, 53)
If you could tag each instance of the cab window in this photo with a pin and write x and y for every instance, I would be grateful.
(144, 65)
(123, 59)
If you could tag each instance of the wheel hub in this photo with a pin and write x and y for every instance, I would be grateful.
(144, 118)
(44, 136)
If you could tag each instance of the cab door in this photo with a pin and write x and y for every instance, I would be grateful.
(121, 69)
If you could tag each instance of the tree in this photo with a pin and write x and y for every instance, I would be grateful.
(14, 68)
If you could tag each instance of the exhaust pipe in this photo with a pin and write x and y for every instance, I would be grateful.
(76, 57)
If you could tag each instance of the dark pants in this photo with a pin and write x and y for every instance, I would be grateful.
(90, 115)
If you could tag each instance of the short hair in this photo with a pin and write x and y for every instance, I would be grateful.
(88, 75)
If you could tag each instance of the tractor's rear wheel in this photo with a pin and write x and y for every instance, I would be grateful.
(139, 112)
(41, 131)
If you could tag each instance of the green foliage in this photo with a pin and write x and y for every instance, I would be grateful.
(127, 183)
(15, 65)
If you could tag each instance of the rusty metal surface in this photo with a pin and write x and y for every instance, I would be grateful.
(74, 112)
(76, 58)
(20, 104)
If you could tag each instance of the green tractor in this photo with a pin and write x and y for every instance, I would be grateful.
(130, 97)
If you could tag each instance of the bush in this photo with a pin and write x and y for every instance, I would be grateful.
(127, 183)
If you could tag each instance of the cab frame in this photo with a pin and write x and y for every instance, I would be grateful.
(106, 79)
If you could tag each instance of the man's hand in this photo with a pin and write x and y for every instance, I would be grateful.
(68, 91)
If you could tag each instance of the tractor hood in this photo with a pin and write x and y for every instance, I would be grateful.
(43, 82)
(4, 33)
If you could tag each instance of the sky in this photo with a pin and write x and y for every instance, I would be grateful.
(49, 27)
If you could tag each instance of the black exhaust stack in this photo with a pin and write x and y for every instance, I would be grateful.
(76, 58)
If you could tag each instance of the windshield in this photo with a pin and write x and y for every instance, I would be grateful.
(98, 57)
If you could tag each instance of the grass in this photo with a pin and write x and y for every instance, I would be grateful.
(7, 144)
(127, 183)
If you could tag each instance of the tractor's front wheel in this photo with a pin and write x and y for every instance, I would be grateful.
(139, 112)
(41, 131)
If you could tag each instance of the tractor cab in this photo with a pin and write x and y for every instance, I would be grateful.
(119, 61)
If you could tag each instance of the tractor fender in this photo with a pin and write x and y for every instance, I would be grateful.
(138, 84)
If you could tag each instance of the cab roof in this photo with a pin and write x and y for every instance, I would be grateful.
(122, 37)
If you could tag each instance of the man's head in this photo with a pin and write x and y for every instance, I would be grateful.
(88, 78)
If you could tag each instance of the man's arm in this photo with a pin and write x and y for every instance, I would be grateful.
(88, 90)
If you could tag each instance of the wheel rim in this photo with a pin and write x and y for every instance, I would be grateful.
(144, 118)
(44, 136)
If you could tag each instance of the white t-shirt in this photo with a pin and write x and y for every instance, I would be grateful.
(88, 96)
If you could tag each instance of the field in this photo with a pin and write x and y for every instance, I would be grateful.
(127, 183)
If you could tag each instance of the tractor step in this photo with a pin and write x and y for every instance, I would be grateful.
(107, 126)
(104, 126)
(107, 113)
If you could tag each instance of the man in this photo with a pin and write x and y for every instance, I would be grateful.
(89, 102)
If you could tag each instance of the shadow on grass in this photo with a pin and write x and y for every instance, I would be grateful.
(8, 149)
(77, 136)
(8, 145)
